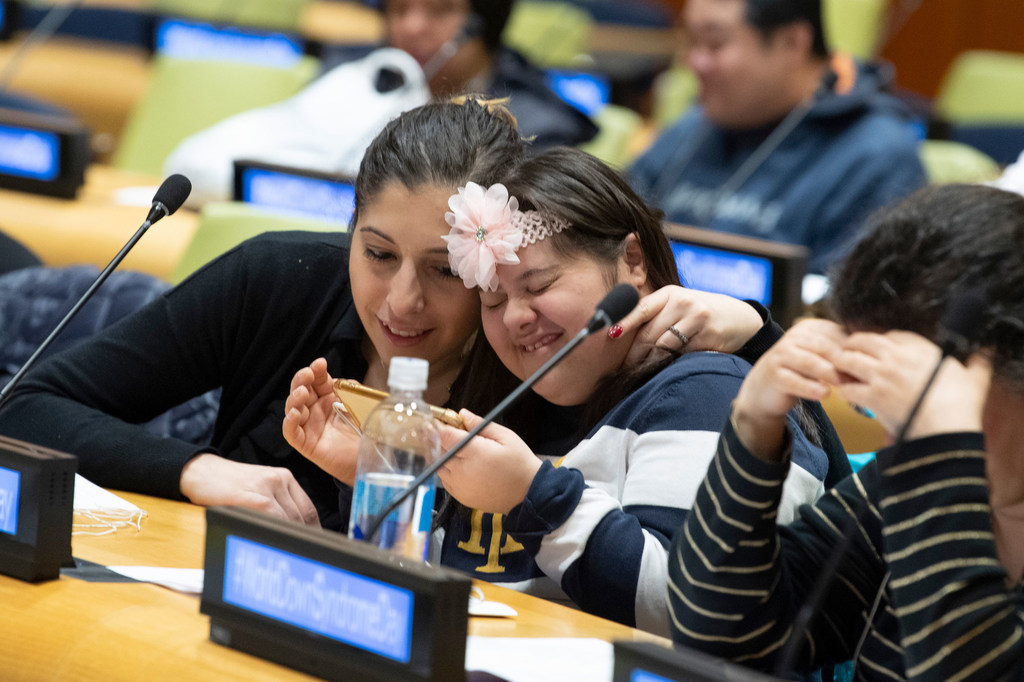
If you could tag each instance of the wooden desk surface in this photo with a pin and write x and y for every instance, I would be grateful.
(70, 629)
(92, 228)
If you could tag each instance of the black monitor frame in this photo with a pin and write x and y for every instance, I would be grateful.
(11, 16)
(440, 615)
(679, 663)
(241, 165)
(789, 263)
(74, 144)
(42, 543)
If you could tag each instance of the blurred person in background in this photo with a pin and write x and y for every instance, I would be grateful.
(787, 142)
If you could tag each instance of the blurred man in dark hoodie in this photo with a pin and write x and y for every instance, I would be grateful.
(787, 142)
(458, 45)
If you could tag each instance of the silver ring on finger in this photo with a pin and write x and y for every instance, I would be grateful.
(683, 338)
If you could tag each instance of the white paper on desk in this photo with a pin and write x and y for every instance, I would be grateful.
(524, 659)
(490, 609)
(91, 497)
(187, 580)
(135, 196)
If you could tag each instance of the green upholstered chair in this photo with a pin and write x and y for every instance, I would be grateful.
(674, 90)
(186, 95)
(283, 15)
(947, 161)
(616, 128)
(983, 87)
(549, 33)
(224, 225)
(854, 26)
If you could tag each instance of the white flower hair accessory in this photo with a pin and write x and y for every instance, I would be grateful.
(487, 230)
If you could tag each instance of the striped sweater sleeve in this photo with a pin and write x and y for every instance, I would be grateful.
(957, 618)
(737, 579)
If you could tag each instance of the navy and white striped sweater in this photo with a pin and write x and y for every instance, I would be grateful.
(596, 527)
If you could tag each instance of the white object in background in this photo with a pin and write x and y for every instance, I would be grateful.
(813, 288)
(100, 512)
(478, 606)
(525, 659)
(135, 196)
(187, 580)
(325, 127)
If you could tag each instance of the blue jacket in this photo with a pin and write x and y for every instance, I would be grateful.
(595, 525)
(851, 154)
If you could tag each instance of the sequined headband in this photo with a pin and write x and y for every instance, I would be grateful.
(487, 230)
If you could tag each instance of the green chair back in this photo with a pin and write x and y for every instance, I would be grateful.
(616, 128)
(283, 15)
(946, 161)
(185, 96)
(674, 90)
(224, 225)
(983, 86)
(549, 33)
(854, 26)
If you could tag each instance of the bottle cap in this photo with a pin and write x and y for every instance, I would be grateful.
(408, 374)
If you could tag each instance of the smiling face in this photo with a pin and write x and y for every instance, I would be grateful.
(745, 78)
(539, 306)
(408, 299)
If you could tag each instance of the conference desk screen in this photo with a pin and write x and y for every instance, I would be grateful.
(770, 273)
(295, 191)
(10, 492)
(186, 39)
(322, 599)
(333, 607)
(29, 153)
(6, 19)
(37, 489)
(41, 153)
(586, 90)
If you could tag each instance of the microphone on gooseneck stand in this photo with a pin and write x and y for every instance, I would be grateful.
(46, 27)
(612, 308)
(168, 199)
(959, 326)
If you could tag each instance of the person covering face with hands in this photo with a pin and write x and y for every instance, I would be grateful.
(929, 587)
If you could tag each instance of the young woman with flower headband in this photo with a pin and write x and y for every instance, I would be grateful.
(595, 525)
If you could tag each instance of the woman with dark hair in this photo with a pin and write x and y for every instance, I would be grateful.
(250, 319)
(593, 526)
(929, 587)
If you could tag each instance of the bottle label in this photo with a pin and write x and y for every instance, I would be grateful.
(406, 529)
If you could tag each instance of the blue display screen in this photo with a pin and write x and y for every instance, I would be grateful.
(332, 200)
(588, 92)
(29, 153)
(323, 599)
(196, 40)
(10, 491)
(644, 676)
(724, 272)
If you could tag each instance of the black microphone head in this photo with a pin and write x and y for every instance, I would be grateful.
(961, 322)
(172, 193)
(614, 306)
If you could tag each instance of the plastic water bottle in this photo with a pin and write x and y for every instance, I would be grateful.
(399, 439)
